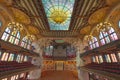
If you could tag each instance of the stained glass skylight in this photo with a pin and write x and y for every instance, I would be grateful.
(58, 13)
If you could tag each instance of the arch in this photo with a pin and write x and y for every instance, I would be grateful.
(11, 17)
(20, 16)
(8, 12)
(109, 13)
(112, 10)
(100, 26)
(2, 19)
(87, 37)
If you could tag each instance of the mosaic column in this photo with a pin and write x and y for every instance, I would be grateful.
(37, 61)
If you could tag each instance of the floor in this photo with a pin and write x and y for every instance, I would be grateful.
(59, 75)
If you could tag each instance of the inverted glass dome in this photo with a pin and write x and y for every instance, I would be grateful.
(58, 13)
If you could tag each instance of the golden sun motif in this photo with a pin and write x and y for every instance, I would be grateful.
(58, 16)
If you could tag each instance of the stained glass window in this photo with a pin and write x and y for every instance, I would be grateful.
(21, 58)
(48, 51)
(17, 39)
(112, 34)
(107, 58)
(58, 13)
(70, 51)
(14, 37)
(90, 44)
(25, 58)
(6, 34)
(113, 57)
(108, 34)
(97, 60)
(11, 57)
(100, 59)
(96, 42)
(5, 56)
(26, 43)
(18, 58)
(93, 43)
(29, 44)
(104, 37)
(11, 34)
(93, 59)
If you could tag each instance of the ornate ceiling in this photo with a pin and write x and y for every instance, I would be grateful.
(20, 16)
(58, 13)
(82, 10)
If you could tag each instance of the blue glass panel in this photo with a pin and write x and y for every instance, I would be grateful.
(58, 13)
(7, 30)
(18, 35)
(101, 35)
(105, 33)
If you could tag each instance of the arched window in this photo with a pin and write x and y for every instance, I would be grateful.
(100, 59)
(90, 44)
(93, 59)
(18, 58)
(107, 57)
(104, 37)
(107, 35)
(101, 38)
(14, 37)
(25, 58)
(113, 57)
(48, 51)
(5, 56)
(6, 34)
(12, 33)
(93, 43)
(11, 57)
(26, 43)
(70, 51)
(97, 59)
(113, 35)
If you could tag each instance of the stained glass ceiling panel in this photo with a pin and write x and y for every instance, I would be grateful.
(58, 13)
